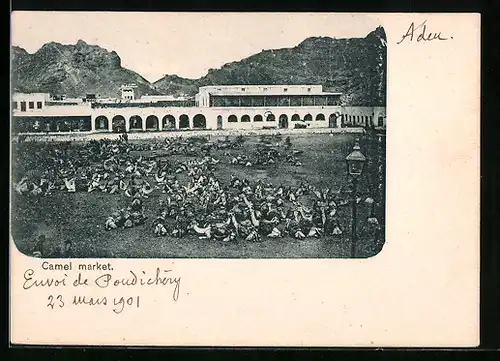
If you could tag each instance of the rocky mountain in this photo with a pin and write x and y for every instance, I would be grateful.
(72, 70)
(356, 67)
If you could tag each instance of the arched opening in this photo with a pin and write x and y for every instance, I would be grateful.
(283, 121)
(118, 124)
(320, 117)
(232, 118)
(332, 120)
(308, 118)
(199, 121)
(245, 118)
(152, 122)
(258, 118)
(183, 121)
(219, 122)
(295, 118)
(135, 122)
(101, 123)
(168, 122)
(270, 118)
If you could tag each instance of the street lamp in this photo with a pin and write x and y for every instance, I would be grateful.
(355, 166)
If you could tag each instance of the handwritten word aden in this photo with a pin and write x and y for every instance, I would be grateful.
(106, 280)
(422, 35)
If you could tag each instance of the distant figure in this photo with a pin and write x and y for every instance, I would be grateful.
(64, 251)
(39, 248)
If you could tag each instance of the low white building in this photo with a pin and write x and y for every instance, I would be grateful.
(160, 98)
(215, 107)
(33, 102)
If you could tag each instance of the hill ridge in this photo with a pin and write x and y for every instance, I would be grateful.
(356, 67)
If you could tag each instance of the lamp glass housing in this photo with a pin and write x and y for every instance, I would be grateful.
(356, 162)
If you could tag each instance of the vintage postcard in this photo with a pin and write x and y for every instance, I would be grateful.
(244, 179)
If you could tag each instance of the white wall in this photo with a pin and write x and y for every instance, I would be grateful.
(17, 98)
(357, 115)
(211, 114)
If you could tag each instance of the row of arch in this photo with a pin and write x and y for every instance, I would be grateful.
(135, 122)
(271, 118)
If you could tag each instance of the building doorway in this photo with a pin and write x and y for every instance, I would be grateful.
(199, 121)
(118, 124)
(168, 122)
(183, 121)
(135, 122)
(219, 122)
(152, 122)
(283, 121)
(332, 121)
(101, 123)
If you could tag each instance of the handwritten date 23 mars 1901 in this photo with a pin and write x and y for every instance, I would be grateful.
(162, 277)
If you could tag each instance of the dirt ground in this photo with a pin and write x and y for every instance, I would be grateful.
(80, 216)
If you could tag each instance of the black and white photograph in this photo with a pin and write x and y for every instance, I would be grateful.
(193, 136)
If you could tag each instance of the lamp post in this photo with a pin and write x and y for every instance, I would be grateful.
(355, 164)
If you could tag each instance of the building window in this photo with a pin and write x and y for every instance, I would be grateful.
(232, 118)
(271, 101)
(308, 118)
(295, 101)
(320, 100)
(245, 118)
(39, 105)
(283, 101)
(246, 101)
(308, 100)
(31, 105)
(320, 117)
(257, 118)
(295, 118)
(23, 106)
(333, 100)
(258, 101)
(14, 105)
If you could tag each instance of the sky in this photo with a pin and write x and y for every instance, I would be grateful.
(185, 44)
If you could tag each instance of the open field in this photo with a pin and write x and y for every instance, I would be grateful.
(80, 216)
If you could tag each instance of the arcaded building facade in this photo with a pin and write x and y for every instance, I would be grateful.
(214, 107)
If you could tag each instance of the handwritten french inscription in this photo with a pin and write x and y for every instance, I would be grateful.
(102, 278)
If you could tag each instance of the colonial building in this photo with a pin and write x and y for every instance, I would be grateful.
(214, 107)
